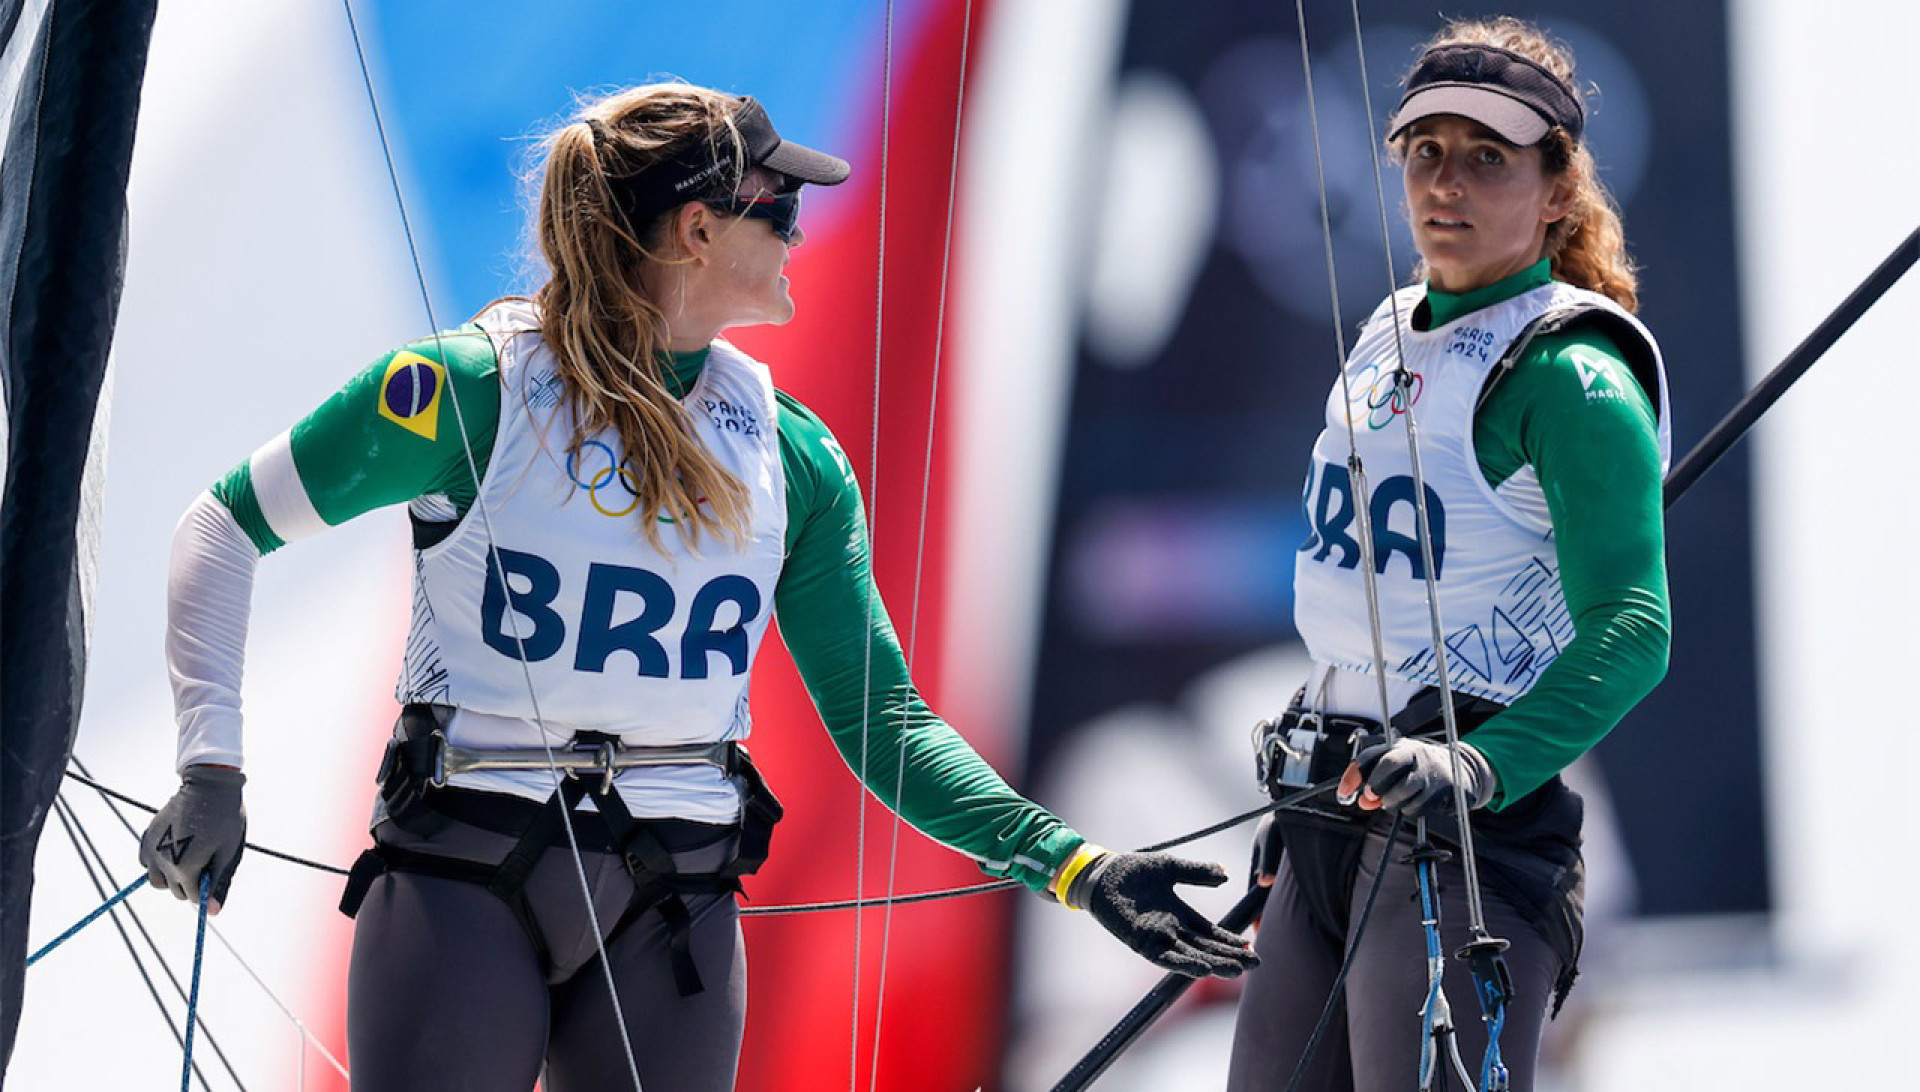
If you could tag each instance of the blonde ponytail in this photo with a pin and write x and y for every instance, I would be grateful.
(607, 335)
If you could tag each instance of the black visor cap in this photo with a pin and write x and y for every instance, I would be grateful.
(703, 169)
(1508, 93)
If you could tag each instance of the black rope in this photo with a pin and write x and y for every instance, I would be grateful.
(1283, 803)
(1170, 988)
(151, 810)
(878, 900)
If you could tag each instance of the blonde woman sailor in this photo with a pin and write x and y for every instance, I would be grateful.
(609, 503)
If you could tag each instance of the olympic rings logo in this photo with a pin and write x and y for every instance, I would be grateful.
(607, 476)
(1380, 397)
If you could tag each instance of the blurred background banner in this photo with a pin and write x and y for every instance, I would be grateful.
(1082, 420)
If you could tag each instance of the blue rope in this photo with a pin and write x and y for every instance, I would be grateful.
(193, 992)
(86, 921)
(1493, 1068)
(1430, 922)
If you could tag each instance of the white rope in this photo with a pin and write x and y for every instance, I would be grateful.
(920, 547)
(1476, 917)
(499, 569)
(306, 1036)
(1356, 471)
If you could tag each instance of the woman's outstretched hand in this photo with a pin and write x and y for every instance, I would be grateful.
(1131, 895)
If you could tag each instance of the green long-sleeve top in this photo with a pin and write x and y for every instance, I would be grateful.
(1598, 463)
(351, 459)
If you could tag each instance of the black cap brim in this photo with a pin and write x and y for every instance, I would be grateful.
(765, 148)
(806, 165)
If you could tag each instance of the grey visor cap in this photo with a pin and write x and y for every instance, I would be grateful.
(1516, 122)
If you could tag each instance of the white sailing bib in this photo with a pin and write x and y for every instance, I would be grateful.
(654, 645)
(1502, 610)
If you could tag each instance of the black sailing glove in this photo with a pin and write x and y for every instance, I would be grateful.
(1131, 896)
(202, 829)
(1415, 777)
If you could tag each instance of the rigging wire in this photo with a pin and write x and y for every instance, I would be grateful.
(109, 798)
(1423, 528)
(508, 616)
(873, 530)
(920, 546)
(1487, 947)
(77, 832)
(139, 964)
(1356, 471)
(1362, 508)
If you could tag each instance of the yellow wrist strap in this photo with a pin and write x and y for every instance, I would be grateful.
(1076, 864)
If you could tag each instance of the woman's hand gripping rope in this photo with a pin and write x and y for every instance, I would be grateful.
(1131, 895)
(1415, 778)
(203, 829)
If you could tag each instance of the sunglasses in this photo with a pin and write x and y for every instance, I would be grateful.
(781, 211)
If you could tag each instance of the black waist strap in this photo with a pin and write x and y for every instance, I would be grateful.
(1338, 737)
(419, 808)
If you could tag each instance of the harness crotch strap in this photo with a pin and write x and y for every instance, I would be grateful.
(421, 803)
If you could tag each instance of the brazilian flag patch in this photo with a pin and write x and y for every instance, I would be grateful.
(410, 393)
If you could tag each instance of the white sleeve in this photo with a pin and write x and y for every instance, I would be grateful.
(209, 596)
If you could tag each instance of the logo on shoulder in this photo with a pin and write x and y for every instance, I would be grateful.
(1597, 379)
(543, 390)
(410, 393)
(839, 456)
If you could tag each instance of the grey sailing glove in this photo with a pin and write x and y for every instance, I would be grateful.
(1415, 777)
(1131, 896)
(202, 829)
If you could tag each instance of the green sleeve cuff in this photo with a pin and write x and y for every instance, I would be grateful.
(236, 492)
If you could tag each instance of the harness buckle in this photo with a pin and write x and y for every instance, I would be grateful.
(590, 753)
(437, 759)
(1284, 747)
(605, 754)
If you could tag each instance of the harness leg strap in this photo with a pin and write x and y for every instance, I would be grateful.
(367, 868)
(654, 874)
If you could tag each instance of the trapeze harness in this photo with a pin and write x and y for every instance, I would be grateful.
(414, 790)
(1532, 848)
